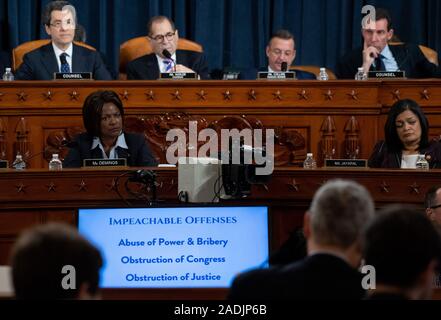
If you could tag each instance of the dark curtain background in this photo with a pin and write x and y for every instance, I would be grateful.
(234, 33)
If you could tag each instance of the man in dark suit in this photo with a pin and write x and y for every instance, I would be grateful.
(280, 49)
(163, 35)
(377, 55)
(61, 55)
(332, 227)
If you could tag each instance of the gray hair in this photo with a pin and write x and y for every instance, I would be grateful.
(339, 212)
(57, 6)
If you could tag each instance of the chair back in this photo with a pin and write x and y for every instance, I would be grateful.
(140, 46)
(429, 53)
(314, 70)
(19, 51)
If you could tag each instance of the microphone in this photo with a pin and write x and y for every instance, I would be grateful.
(168, 55)
(284, 66)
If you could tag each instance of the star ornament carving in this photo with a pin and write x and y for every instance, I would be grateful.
(21, 187)
(228, 95)
(425, 94)
(252, 95)
(396, 94)
(303, 95)
(125, 95)
(48, 95)
(22, 96)
(415, 188)
(202, 95)
(82, 186)
(353, 95)
(294, 185)
(176, 95)
(150, 95)
(74, 95)
(113, 186)
(278, 95)
(51, 187)
(329, 95)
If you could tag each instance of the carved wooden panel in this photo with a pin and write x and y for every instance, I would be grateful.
(3, 140)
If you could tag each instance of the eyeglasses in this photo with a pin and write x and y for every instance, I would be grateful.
(434, 207)
(69, 24)
(159, 38)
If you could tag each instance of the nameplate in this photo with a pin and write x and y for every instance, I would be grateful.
(73, 76)
(231, 76)
(346, 163)
(4, 164)
(386, 74)
(88, 163)
(178, 76)
(291, 75)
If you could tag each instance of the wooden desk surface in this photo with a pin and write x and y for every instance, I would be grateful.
(307, 116)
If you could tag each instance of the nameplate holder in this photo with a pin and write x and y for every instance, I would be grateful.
(387, 74)
(4, 164)
(178, 76)
(346, 163)
(100, 163)
(289, 75)
(73, 76)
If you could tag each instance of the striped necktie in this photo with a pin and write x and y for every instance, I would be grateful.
(168, 65)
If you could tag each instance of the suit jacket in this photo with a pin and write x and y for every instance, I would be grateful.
(319, 276)
(251, 74)
(408, 56)
(146, 67)
(138, 154)
(41, 64)
(382, 157)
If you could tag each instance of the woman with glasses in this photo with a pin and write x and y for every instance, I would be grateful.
(406, 137)
(105, 138)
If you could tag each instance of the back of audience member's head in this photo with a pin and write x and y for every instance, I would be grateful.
(338, 213)
(404, 248)
(38, 258)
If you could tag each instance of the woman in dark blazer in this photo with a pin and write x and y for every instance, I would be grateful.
(406, 136)
(103, 117)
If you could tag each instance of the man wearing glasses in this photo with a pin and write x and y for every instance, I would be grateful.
(163, 35)
(61, 55)
(432, 203)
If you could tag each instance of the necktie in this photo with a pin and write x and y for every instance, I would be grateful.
(379, 64)
(64, 65)
(168, 65)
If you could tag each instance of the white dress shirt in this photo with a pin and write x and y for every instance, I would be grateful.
(390, 64)
(120, 142)
(161, 64)
(58, 52)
